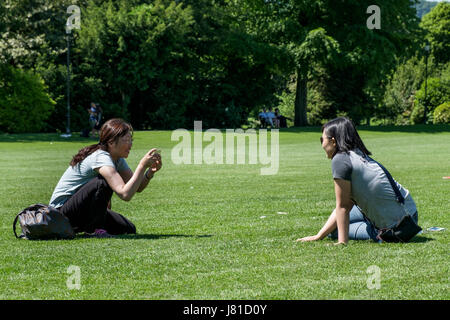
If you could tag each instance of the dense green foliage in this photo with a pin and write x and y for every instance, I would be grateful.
(438, 92)
(166, 63)
(442, 113)
(437, 23)
(167, 71)
(400, 91)
(23, 100)
(405, 96)
(33, 38)
(332, 51)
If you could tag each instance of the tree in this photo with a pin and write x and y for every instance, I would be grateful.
(24, 102)
(349, 49)
(33, 31)
(438, 92)
(437, 25)
(164, 64)
(317, 50)
(134, 56)
(404, 99)
(237, 72)
(33, 38)
(401, 90)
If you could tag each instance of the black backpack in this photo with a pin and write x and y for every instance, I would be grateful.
(42, 222)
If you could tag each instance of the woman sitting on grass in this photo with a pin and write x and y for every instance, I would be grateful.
(365, 199)
(84, 192)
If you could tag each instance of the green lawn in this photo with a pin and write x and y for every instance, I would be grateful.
(200, 231)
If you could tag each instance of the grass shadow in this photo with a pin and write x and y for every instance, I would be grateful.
(44, 137)
(53, 137)
(158, 236)
(418, 128)
(420, 239)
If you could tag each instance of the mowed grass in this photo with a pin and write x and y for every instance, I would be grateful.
(200, 231)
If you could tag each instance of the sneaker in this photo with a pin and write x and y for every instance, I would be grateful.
(100, 233)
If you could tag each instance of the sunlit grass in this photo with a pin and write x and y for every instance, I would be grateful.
(200, 231)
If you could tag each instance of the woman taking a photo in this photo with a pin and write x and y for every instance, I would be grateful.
(366, 202)
(84, 192)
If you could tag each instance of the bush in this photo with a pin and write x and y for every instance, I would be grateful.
(401, 89)
(438, 92)
(442, 114)
(417, 114)
(286, 105)
(24, 102)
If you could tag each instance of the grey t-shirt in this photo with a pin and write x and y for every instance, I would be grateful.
(371, 189)
(75, 177)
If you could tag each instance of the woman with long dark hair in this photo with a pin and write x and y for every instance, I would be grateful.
(366, 202)
(84, 192)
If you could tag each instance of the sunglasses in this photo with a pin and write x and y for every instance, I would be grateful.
(321, 139)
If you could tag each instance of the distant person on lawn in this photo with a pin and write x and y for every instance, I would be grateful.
(270, 117)
(365, 199)
(84, 192)
(263, 118)
(95, 117)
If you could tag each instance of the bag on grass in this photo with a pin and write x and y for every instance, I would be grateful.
(404, 231)
(42, 222)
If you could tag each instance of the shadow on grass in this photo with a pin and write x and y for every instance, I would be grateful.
(420, 239)
(159, 236)
(147, 236)
(52, 137)
(44, 137)
(419, 128)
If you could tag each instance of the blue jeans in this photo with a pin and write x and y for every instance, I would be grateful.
(360, 228)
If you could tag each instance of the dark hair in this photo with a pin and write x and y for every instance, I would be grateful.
(111, 131)
(344, 133)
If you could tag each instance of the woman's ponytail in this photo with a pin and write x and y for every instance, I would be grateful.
(83, 153)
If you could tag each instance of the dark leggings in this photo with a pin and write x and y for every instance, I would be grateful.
(87, 210)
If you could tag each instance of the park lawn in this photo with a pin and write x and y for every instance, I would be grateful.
(201, 234)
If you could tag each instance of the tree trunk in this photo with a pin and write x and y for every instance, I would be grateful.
(300, 119)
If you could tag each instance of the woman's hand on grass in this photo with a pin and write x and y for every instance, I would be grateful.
(307, 239)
